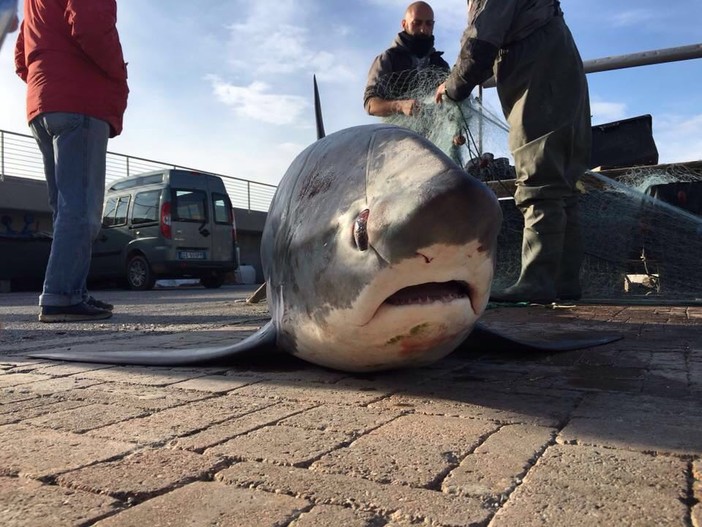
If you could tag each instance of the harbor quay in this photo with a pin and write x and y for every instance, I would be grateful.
(487, 436)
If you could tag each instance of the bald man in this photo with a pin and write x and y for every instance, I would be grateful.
(411, 52)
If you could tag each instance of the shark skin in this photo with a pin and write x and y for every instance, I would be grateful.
(378, 252)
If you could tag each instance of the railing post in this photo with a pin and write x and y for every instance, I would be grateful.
(248, 194)
(128, 174)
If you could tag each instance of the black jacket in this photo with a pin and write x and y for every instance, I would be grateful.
(398, 73)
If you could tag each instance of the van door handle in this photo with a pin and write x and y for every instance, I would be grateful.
(205, 232)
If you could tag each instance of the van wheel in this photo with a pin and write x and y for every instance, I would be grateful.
(139, 275)
(212, 282)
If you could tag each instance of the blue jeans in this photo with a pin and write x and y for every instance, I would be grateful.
(74, 149)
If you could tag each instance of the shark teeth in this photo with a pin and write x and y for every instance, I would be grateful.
(429, 293)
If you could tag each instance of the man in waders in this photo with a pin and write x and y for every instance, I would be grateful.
(544, 96)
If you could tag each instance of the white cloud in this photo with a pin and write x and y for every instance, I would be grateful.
(678, 138)
(279, 45)
(634, 17)
(254, 102)
(604, 112)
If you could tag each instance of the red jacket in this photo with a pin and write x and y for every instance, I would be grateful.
(68, 53)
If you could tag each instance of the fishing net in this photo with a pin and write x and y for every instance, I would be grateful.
(462, 130)
(642, 226)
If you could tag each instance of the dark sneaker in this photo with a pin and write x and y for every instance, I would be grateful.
(74, 313)
(91, 301)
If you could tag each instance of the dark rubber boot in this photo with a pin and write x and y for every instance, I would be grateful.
(542, 249)
(568, 284)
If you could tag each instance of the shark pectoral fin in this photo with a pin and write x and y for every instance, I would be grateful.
(260, 342)
(539, 339)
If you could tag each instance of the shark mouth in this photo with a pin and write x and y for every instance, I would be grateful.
(430, 292)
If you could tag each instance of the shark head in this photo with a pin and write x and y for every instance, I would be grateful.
(378, 251)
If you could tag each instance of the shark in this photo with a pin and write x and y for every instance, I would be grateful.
(378, 253)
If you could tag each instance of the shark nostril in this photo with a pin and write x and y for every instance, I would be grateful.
(360, 230)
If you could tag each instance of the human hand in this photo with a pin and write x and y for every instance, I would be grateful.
(439, 96)
(409, 107)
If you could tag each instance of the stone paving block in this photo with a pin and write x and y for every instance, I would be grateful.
(349, 419)
(345, 392)
(474, 401)
(31, 408)
(85, 417)
(142, 375)
(666, 383)
(411, 450)
(219, 433)
(36, 452)
(642, 436)
(215, 383)
(637, 407)
(26, 502)
(333, 516)
(625, 358)
(12, 396)
(605, 378)
(397, 503)
(637, 423)
(696, 376)
(286, 445)
(588, 486)
(62, 369)
(143, 474)
(293, 370)
(56, 385)
(145, 397)
(16, 379)
(168, 424)
(211, 504)
(498, 465)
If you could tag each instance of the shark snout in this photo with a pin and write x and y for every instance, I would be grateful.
(451, 209)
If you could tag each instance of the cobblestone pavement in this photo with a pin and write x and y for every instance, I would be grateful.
(604, 436)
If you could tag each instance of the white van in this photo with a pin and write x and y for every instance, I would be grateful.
(166, 224)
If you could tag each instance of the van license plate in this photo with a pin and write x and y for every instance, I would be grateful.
(192, 255)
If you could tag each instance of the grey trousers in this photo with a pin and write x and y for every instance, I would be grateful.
(544, 96)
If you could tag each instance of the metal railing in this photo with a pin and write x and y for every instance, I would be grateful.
(19, 154)
(20, 157)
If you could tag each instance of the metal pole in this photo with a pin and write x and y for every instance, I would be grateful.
(644, 58)
(481, 131)
(632, 60)
(2, 155)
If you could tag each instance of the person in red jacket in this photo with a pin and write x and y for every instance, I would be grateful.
(69, 54)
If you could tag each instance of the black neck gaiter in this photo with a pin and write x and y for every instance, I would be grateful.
(419, 45)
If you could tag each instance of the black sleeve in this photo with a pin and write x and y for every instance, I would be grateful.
(474, 66)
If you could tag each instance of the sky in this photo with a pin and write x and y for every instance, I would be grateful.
(225, 86)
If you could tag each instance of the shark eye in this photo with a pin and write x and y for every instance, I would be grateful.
(360, 230)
